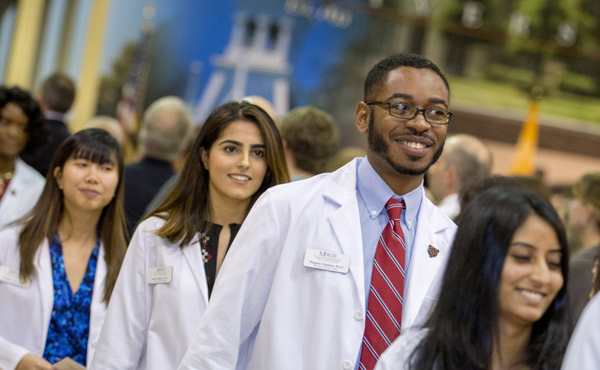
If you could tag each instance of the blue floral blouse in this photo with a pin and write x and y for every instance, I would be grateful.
(70, 321)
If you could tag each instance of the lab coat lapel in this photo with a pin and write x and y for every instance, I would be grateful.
(193, 257)
(46, 286)
(345, 223)
(424, 268)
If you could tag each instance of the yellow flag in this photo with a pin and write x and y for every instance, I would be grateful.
(524, 159)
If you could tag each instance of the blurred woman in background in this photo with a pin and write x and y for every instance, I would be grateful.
(175, 254)
(61, 263)
(503, 302)
(21, 131)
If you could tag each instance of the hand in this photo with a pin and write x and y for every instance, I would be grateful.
(33, 362)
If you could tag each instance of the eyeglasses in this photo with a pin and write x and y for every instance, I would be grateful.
(5, 124)
(408, 111)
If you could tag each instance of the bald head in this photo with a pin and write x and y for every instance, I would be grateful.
(263, 103)
(465, 161)
(110, 125)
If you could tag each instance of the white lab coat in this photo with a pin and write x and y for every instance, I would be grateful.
(398, 355)
(268, 311)
(26, 311)
(149, 326)
(583, 351)
(22, 194)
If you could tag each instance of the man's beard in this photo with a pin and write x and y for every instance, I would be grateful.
(379, 146)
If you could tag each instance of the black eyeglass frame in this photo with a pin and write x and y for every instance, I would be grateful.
(418, 110)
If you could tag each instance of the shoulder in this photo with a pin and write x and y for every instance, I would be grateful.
(583, 351)
(339, 183)
(147, 229)
(430, 211)
(398, 354)
(584, 256)
(28, 174)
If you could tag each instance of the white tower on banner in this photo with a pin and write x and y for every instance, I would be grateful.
(255, 62)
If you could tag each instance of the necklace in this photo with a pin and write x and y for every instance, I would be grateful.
(4, 179)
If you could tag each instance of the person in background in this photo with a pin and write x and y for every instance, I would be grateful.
(503, 301)
(164, 126)
(61, 261)
(263, 103)
(310, 139)
(465, 161)
(55, 98)
(301, 284)
(110, 125)
(175, 255)
(583, 228)
(343, 156)
(21, 131)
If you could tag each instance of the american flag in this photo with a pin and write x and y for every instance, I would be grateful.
(133, 93)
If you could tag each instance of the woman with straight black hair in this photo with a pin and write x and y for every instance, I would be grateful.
(59, 264)
(175, 254)
(503, 302)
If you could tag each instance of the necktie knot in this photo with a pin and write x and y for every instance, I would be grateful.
(394, 208)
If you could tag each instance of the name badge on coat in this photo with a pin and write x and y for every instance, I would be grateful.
(324, 260)
(160, 275)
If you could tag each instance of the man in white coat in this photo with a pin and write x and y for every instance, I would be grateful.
(294, 288)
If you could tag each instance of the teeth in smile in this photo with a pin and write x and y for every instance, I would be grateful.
(239, 177)
(414, 145)
(532, 295)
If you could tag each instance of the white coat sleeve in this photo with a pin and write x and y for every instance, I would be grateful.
(123, 336)
(10, 354)
(583, 351)
(225, 335)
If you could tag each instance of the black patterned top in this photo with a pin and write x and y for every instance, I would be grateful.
(209, 243)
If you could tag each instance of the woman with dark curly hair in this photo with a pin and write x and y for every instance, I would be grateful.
(503, 301)
(21, 131)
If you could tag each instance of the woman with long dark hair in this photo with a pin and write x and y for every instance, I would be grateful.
(175, 254)
(503, 302)
(60, 263)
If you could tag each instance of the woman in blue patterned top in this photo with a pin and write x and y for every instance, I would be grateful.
(58, 266)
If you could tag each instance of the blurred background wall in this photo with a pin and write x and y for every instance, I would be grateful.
(504, 60)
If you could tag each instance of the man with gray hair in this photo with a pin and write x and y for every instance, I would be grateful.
(465, 161)
(164, 126)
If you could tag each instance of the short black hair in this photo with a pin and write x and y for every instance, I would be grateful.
(36, 126)
(379, 72)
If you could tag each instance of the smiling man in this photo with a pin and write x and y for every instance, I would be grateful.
(326, 272)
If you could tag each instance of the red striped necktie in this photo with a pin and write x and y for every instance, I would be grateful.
(386, 296)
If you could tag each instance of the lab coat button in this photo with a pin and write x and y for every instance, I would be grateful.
(347, 365)
(358, 315)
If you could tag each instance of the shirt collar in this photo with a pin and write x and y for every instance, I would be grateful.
(375, 192)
